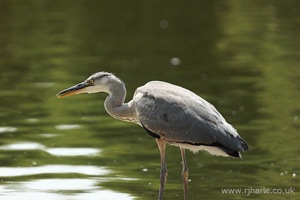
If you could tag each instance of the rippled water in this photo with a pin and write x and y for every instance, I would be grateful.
(242, 56)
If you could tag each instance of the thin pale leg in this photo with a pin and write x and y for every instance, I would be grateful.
(161, 143)
(184, 174)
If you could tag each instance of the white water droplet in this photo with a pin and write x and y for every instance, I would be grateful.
(175, 61)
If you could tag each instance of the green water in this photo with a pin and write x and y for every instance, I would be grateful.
(242, 56)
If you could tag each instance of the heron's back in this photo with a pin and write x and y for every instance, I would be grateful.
(179, 115)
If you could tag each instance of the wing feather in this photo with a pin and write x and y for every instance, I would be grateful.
(179, 115)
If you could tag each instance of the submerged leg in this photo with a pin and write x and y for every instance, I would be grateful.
(161, 143)
(184, 174)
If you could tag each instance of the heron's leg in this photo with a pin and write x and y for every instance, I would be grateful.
(184, 174)
(161, 143)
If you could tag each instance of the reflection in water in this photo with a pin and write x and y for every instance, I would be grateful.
(67, 126)
(52, 169)
(7, 129)
(22, 146)
(44, 84)
(53, 151)
(19, 195)
(56, 184)
(32, 120)
(55, 195)
(53, 189)
(48, 135)
(103, 195)
(73, 151)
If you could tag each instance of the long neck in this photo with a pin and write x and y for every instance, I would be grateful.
(115, 106)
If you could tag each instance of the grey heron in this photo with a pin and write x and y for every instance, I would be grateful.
(169, 113)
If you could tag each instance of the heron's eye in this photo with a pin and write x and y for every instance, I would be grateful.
(92, 81)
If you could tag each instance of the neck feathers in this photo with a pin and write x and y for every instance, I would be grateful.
(115, 106)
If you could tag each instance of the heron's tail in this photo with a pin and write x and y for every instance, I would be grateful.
(233, 143)
(243, 145)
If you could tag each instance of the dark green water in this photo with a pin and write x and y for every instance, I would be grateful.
(242, 56)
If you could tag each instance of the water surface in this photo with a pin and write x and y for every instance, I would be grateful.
(242, 56)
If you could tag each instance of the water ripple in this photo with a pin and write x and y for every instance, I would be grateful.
(62, 151)
(52, 169)
(7, 129)
(73, 151)
(99, 195)
(23, 146)
(67, 126)
(52, 189)
(58, 184)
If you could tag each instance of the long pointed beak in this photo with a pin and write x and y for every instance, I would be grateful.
(76, 89)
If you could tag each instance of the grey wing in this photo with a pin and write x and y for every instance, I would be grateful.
(187, 120)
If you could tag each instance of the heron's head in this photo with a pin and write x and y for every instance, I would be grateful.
(98, 82)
